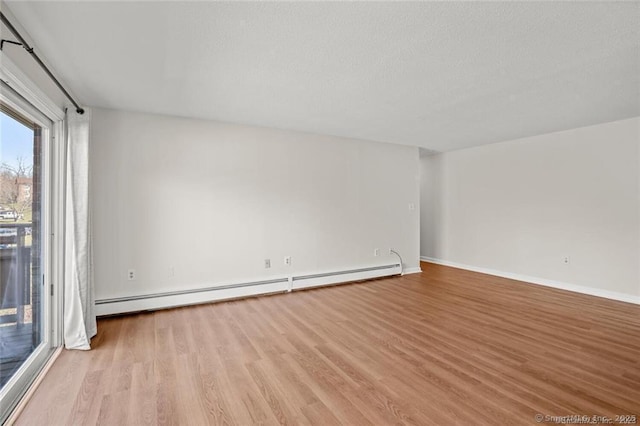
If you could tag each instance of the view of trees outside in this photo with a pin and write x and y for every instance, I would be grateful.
(16, 170)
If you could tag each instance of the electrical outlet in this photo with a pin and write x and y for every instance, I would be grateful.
(390, 251)
(267, 263)
(131, 275)
(566, 260)
(287, 260)
(412, 206)
(376, 252)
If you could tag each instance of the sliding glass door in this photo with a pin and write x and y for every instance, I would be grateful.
(25, 246)
(20, 241)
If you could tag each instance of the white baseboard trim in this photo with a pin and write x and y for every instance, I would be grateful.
(412, 271)
(622, 297)
(226, 291)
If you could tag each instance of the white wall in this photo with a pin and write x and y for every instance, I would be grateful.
(215, 200)
(520, 207)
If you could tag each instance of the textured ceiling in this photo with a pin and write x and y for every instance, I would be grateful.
(441, 76)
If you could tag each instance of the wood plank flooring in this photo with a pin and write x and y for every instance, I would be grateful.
(443, 347)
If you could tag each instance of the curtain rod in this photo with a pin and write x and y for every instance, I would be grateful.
(29, 49)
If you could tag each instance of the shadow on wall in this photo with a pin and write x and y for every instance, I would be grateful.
(431, 206)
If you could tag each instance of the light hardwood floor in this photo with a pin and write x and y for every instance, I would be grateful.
(442, 347)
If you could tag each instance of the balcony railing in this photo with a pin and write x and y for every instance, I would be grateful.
(15, 271)
(18, 318)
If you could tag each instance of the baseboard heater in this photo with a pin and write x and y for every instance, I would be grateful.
(322, 279)
(153, 301)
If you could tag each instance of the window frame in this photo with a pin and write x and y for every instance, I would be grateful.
(19, 93)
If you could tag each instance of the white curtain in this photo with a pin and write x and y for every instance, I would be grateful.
(79, 302)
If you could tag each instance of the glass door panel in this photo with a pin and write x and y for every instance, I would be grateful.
(21, 310)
